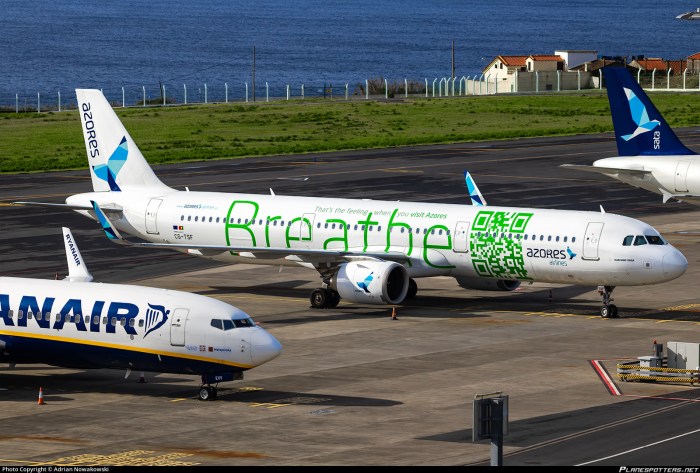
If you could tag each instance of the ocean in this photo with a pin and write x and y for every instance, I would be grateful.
(47, 47)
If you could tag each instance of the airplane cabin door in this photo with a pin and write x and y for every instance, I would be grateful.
(151, 216)
(681, 175)
(592, 240)
(178, 324)
(461, 238)
(306, 227)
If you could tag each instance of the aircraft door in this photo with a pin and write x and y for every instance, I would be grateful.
(681, 175)
(461, 238)
(592, 240)
(306, 227)
(151, 216)
(178, 325)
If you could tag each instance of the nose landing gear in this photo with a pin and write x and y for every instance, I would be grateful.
(608, 310)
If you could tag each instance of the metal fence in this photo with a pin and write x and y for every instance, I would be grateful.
(183, 94)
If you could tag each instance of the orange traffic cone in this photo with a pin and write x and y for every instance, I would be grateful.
(41, 397)
(393, 313)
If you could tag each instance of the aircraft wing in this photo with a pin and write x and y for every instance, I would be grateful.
(295, 254)
(606, 170)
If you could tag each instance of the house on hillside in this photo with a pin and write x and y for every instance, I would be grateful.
(694, 63)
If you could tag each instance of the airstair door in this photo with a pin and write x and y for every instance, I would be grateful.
(461, 238)
(178, 324)
(152, 215)
(592, 240)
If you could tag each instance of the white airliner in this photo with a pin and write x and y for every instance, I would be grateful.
(366, 251)
(80, 324)
(650, 154)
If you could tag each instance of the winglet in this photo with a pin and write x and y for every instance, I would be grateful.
(474, 193)
(77, 271)
(107, 226)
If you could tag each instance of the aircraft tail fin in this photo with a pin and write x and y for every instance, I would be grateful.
(77, 270)
(474, 192)
(639, 127)
(115, 162)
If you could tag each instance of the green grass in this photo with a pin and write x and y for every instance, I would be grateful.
(53, 141)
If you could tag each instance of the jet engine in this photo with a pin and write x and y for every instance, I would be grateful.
(371, 282)
(480, 284)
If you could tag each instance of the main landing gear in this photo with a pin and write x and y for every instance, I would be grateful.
(324, 298)
(608, 310)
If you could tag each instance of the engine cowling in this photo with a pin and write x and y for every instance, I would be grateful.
(371, 282)
(480, 284)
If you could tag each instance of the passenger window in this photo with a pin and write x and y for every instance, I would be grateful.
(549, 238)
(628, 240)
(58, 317)
(141, 323)
(123, 321)
(189, 218)
(217, 323)
(557, 239)
(132, 322)
(228, 324)
(20, 315)
(196, 218)
(640, 240)
(104, 321)
(565, 238)
(114, 321)
(182, 218)
(541, 237)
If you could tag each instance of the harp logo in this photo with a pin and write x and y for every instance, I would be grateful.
(156, 316)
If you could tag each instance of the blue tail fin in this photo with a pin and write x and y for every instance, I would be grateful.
(474, 192)
(639, 127)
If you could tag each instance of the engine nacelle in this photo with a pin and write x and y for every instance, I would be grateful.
(371, 282)
(488, 284)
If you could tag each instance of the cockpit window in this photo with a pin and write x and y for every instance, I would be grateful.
(230, 324)
(244, 323)
(640, 240)
(628, 240)
(655, 240)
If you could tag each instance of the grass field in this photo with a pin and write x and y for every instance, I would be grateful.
(53, 140)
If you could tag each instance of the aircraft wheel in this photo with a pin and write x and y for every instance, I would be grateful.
(204, 393)
(605, 311)
(613, 311)
(333, 299)
(319, 298)
(412, 289)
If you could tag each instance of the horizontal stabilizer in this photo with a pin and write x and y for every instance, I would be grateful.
(605, 170)
(49, 204)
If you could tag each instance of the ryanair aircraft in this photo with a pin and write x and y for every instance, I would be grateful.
(650, 155)
(366, 251)
(77, 323)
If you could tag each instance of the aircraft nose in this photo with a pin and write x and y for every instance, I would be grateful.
(674, 264)
(264, 347)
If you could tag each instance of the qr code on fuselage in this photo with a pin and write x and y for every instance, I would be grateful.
(495, 244)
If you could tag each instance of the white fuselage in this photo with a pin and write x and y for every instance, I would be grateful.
(95, 325)
(464, 241)
(666, 175)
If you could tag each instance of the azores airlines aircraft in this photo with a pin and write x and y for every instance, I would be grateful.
(76, 323)
(366, 251)
(650, 155)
